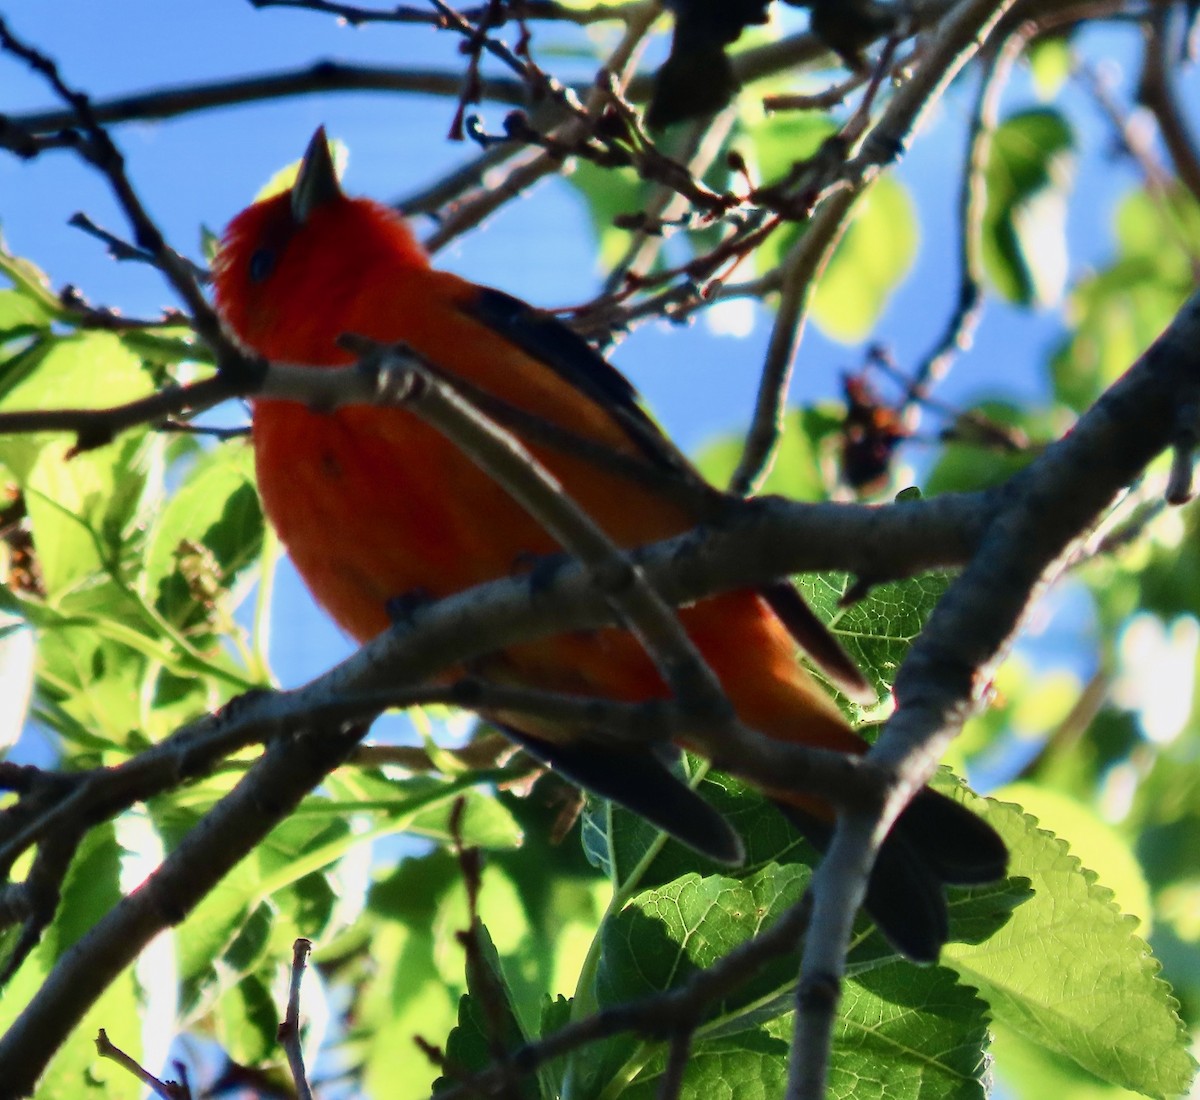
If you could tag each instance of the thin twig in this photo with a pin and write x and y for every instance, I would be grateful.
(473, 211)
(43, 129)
(121, 249)
(959, 332)
(677, 1011)
(539, 84)
(356, 15)
(1156, 93)
(315, 79)
(98, 149)
(833, 96)
(697, 146)
(801, 270)
(98, 427)
(484, 984)
(168, 1090)
(1135, 139)
(288, 1034)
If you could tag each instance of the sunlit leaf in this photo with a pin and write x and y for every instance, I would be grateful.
(877, 630)
(1050, 63)
(868, 264)
(1028, 176)
(904, 1031)
(1096, 844)
(1069, 972)
(216, 510)
(608, 193)
(802, 468)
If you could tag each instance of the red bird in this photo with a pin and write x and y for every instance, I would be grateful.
(372, 505)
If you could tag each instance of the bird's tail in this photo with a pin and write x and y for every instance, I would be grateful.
(936, 842)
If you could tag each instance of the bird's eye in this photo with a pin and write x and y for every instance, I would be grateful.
(262, 263)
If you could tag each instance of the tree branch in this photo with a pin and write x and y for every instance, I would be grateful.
(1040, 517)
(964, 31)
(1156, 93)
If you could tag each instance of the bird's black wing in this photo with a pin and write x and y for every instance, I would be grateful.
(641, 781)
(818, 642)
(573, 359)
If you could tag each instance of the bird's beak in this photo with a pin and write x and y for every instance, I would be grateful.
(316, 182)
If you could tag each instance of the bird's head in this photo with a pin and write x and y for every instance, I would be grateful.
(302, 255)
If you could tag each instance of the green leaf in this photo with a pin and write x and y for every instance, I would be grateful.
(416, 975)
(90, 681)
(556, 1014)
(247, 1021)
(292, 870)
(395, 1066)
(665, 935)
(90, 889)
(1117, 312)
(1050, 64)
(872, 258)
(1117, 315)
(217, 509)
(1069, 973)
(81, 508)
(1028, 176)
(487, 1026)
(1032, 1072)
(909, 1031)
(803, 468)
(877, 630)
(415, 889)
(782, 140)
(64, 499)
(251, 944)
(918, 1022)
(21, 315)
(1094, 842)
(624, 845)
(89, 370)
(751, 1065)
(30, 284)
(608, 193)
(977, 912)
(77, 1072)
(1160, 226)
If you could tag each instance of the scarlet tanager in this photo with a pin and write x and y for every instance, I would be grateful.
(374, 505)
